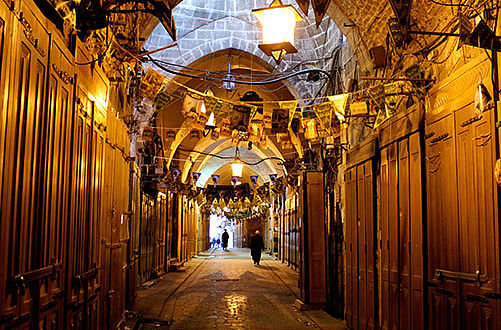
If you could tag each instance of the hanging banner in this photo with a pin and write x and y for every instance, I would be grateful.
(161, 100)
(324, 114)
(214, 135)
(263, 143)
(395, 94)
(224, 128)
(339, 104)
(151, 83)
(215, 178)
(213, 104)
(190, 106)
(239, 117)
(377, 95)
(255, 131)
(310, 132)
(290, 106)
(176, 172)
(199, 123)
(320, 8)
(253, 179)
(280, 121)
(196, 176)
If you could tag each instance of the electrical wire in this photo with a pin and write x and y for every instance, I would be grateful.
(262, 82)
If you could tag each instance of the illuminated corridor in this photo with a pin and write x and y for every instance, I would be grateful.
(224, 290)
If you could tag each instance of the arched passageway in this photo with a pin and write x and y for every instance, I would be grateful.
(133, 133)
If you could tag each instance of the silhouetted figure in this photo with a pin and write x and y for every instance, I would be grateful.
(256, 246)
(225, 237)
(218, 241)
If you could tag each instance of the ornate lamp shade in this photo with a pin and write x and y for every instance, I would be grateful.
(278, 24)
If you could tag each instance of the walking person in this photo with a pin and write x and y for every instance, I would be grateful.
(224, 238)
(256, 246)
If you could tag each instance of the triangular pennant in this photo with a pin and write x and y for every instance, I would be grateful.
(320, 8)
(279, 121)
(304, 6)
(215, 178)
(324, 114)
(339, 103)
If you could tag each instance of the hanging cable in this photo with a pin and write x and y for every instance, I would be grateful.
(262, 82)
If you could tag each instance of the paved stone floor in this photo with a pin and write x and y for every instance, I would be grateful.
(224, 290)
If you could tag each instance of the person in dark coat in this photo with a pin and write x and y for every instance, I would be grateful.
(256, 246)
(224, 238)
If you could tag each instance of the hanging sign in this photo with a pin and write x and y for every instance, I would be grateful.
(359, 108)
(151, 83)
(377, 95)
(280, 121)
(290, 106)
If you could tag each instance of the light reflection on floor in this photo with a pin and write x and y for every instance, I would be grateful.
(236, 303)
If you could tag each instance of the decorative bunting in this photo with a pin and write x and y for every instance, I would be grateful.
(324, 114)
(196, 176)
(311, 132)
(176, 172)
(290, 106)
(339, 104)
(280, 121)
(273, 178)
(304, 6)
(253, 179)
(190, 106)
(215, 178)
(151, 83)
(320, 8)
(199, 123)
(213, 104)
(377, 94)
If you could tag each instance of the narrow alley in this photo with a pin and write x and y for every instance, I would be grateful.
(224, 290)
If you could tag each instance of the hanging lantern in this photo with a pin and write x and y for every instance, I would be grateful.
(236, 168)
(278, 22)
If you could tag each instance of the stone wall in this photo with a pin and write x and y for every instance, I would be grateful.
(207, 26)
